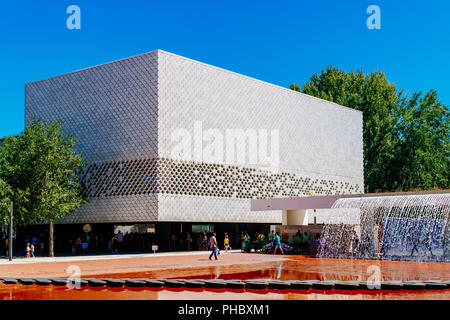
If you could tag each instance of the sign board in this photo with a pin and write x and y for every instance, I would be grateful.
(154, 248)
(87, 228)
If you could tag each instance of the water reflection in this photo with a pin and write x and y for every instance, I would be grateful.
(292, 268)
(32, 292)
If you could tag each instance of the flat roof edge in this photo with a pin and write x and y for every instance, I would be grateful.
(324, 202)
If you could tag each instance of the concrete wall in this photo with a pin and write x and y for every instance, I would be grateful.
(124, 114)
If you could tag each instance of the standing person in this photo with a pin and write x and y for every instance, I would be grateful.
(73, 245)
(113, 244)
(246, 243)
(263, 238)
(119, 240)
(322, 243)
(7, 247)
(355, 242)
(181, 242)
(297, 240)
(213, 246)
(34, 240)
(32, 250)
(205, 242)
(84, 245)
(94, 243)
(188, 241)
(271, 235)
(306, 242)
(28, 250)
(88, 240)
(27, 241)
(173, 242)
(78, 243)
(366, 245)
(42, 246)
(199, 239)
(277, 244)
(226, 242)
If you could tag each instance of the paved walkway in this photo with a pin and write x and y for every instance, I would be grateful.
(21, 260)
(149, 265)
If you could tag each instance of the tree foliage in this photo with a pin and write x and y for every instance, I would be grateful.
(6, 196)
(405, 139)
(39, 171)
(422, 148)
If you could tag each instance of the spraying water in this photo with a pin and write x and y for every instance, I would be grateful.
(404, 227)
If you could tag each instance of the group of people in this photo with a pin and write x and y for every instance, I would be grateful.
(364, 247)
(112, 242)
(426, 242)
(186, 241)
(301, 242)
(261, 240)
(32, 244)
(85, 243)
(214, 246)
(28, 246)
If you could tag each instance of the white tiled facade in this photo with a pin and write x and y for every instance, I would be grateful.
(124, 114)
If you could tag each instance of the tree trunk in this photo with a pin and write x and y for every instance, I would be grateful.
(51, 252)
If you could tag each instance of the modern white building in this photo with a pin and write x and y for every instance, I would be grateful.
(170, 139)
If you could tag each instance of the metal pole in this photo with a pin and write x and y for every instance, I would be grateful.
(10, 241)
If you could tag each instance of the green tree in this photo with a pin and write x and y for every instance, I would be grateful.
(5, 199)
(405, 139)
(7, 194)
(41, 167)
(377, 99)
(423, 147)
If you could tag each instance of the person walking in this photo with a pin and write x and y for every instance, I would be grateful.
(28, 250)
(277, 244)
(32, 250)
(415, 241)
(355, 243)
(427, 243)
(213, 246)
(226, 243)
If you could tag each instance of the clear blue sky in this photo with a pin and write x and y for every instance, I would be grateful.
(276, 41)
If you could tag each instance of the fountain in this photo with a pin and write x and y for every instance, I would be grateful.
(405, 227)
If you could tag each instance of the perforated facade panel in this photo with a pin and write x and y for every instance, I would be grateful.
(124, 114)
